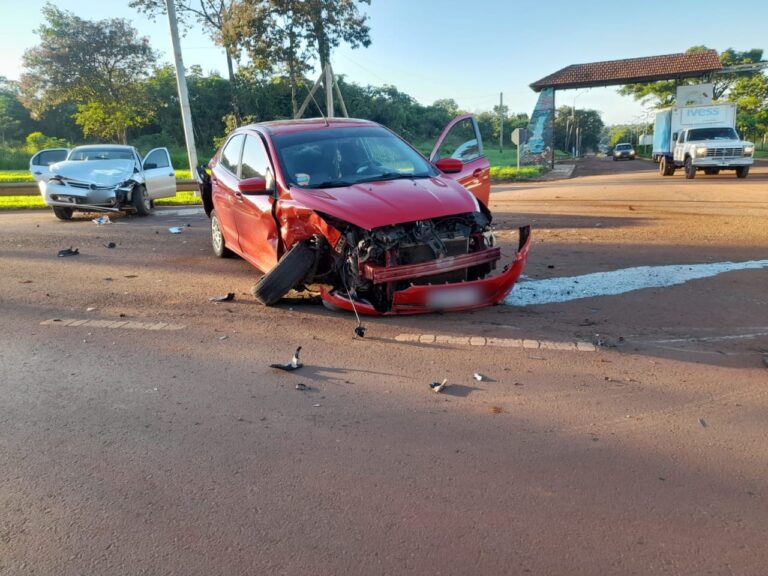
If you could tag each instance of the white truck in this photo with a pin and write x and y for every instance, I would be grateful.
(700, 138)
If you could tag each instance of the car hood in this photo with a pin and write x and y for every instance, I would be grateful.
(375, 204)
(99, 172)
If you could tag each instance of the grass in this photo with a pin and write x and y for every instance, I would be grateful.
(510, 173)
(24, 202)
(16, 176)
(20, 202)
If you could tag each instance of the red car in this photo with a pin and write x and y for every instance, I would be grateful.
(348, 205)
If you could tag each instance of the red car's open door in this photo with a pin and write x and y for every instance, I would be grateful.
(461, 140)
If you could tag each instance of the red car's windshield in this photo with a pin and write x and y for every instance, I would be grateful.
(333, 157)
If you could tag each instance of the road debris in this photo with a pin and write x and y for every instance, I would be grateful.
(226, 298)
(101, 220)
(302, 387)
(294, 364)
(25, 281)
(437, 387)
(68, 252)
(223, 337)
(110, 245)
(496, 410)
(176, 230)
(316, 405)
(477, 376)
(703, 422)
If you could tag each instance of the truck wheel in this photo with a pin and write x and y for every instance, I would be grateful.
(666, 168)
(62, 212)
(742, 171)
(141, 201)
(287, 274)
(690, 169)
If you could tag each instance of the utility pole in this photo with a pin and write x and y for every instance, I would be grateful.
(181, 82)
(501, 122)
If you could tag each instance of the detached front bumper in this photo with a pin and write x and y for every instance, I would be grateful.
(421, 299)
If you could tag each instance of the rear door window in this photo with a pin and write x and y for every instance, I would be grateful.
(230, 156)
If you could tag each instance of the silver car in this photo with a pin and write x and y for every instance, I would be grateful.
(102, 178)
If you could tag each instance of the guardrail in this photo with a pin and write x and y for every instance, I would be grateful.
(31, 189)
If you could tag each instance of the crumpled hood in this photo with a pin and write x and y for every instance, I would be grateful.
(375, 204)
(98, 172)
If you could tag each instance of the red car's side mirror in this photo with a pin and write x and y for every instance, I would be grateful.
(449, 165)
(255, 185)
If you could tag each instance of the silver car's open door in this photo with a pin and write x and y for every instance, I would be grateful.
(159, 175)
(40, 163)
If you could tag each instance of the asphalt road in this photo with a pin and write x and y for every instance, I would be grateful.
(160, 442)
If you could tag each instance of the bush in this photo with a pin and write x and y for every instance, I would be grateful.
(14, 159)
(508, 173)
(37, 141)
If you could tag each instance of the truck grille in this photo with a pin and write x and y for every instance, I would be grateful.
(725, 152)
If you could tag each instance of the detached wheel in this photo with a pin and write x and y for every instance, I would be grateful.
(141, 201)
(690, 169)
(742, 171)
(287, 274)
(218, 243)
(63, 213)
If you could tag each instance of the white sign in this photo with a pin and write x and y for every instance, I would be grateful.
(695, 95)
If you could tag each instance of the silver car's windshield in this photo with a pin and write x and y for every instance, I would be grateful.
(335, 157)
(100, 154)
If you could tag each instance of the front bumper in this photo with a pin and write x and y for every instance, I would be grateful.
(422, 299)
(96, 200)
(723, 162)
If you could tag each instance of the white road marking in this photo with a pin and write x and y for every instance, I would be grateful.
(552, 290)
(180, 211)
(126, 324)
(502, 342)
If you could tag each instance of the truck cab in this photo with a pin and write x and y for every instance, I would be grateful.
(711, 149)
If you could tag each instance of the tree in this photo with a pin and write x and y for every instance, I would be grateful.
(662, 94)
(98, 65)
(280, 35)
(751, 98)
(14, 118)
(273, 34)
(586, 124)
(211, 14)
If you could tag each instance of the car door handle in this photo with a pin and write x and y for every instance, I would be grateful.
(477, 173)
(37, 173)
(239, 196)
(172, 174)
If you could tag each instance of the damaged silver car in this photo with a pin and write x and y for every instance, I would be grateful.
(103, 178)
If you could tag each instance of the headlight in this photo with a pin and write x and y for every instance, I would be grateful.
(749, 150)
(631, 152)
(701, 151)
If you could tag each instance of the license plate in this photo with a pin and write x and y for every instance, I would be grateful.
(454, 297)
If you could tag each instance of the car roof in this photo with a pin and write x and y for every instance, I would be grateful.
(307, 124)
(103, 146)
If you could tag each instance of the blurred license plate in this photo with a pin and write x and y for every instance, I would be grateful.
(453, 297)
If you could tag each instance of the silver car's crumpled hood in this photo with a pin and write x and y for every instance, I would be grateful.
(98, 172)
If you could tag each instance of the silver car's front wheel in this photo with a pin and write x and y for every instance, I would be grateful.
(142, 203)
(217, 237)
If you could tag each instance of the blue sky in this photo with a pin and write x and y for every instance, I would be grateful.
(469, 51)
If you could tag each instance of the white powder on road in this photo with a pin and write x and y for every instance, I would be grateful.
(530, 292)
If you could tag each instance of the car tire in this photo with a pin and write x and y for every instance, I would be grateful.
(218, 243)
(666, 168)
(287, 274)
(690, 169)
(63, 213)
(141, 201)
(742, 171)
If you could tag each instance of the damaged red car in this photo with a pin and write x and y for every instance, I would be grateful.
(350, 207)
